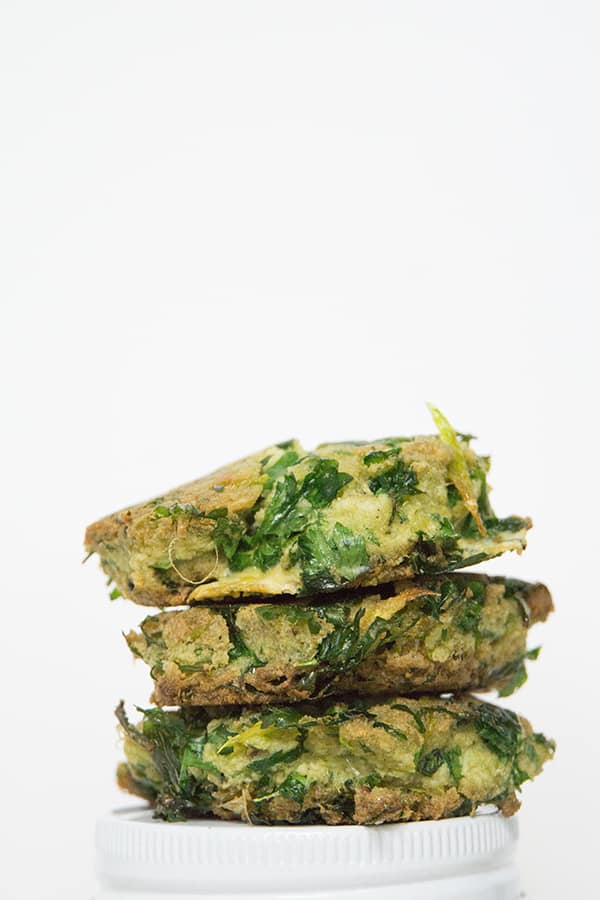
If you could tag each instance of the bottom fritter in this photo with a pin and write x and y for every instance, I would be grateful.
(352, 762)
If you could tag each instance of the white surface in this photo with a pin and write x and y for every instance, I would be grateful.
(228, 223)
(138, 857)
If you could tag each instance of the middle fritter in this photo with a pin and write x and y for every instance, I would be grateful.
(435, 634)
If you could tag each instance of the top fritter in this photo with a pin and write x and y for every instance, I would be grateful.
(285, 521)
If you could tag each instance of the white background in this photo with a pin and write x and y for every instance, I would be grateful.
(227, 223)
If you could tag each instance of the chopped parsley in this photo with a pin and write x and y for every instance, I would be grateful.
(429, 763)
(514, 673)
(294, 787)
(470, 615)
(378, 456)
(239, 649)
(323, 483)
(499, 729)
(330, 560)
(289, 512)
(280, 467)
(493, 526)
(399, 481)
(280, 756)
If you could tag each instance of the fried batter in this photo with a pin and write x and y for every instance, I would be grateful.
(358, 762)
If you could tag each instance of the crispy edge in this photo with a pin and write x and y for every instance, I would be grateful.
(540, 603)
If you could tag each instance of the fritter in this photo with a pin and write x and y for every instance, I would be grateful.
(432, 634)
(285, 521)
(358, 762)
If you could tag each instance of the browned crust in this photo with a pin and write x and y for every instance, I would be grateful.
(539, 601)
(239, 489)
(390, 671)
(265, 684)
(374, 806)
(510, 805)
(126, 541)
(274, 684)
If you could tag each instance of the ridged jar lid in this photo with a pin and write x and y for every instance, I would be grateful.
(133, 851)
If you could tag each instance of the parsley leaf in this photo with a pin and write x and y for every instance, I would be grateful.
(469, 617)
(493, 526)
(452, 758)
(290, 510)
(328, 561)
(429, 763)
(418, 719)
(227, 532)
(294, 787)
(279, 468)
(499, 729)
(239, 648)
(514, 673)
(323, 483)
(399, 482)
(378, 456)
(280, 756)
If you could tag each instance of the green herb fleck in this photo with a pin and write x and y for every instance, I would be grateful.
(399, 482)
(281, 717)
(378, 456)
(323, 483)
(453, 495)
(453, 759)
(239, 648)
(294, 787)
(499, 729)
(418, 720)
(294, 613)
(227, 532)
(470, 615)
(278, 468)
(328, 561)
(373, 780)
(493, 526)
(429, 763)
(447, 529)
(268, 762)
(391, 729)
(193, 757)
(514, 673)
(178, 509)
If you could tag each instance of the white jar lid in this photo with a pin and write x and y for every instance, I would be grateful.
(138, 857)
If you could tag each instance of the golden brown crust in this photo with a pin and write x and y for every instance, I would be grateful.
(130, 531)
(510, 806)
(264, 653)
(330, 520)
(540, 604)
(347, 762)
(265, 685)
(374, 806)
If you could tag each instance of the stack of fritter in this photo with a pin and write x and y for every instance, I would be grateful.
(318, 662)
